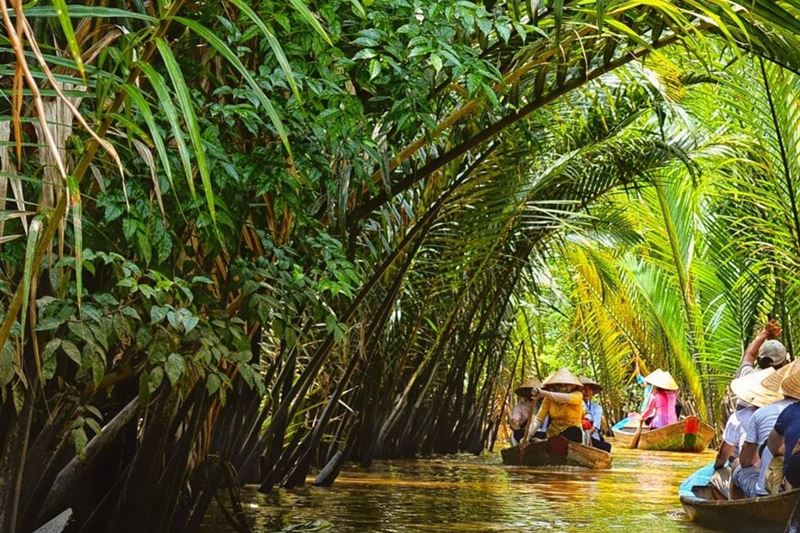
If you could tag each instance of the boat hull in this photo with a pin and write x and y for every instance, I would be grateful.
(688, 435)
(557, 451)
(695, 495)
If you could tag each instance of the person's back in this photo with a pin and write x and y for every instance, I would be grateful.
(662, 407)
(751, 478)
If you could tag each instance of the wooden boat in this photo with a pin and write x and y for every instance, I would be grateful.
(764, 512)
(557, 451)
(688, 435)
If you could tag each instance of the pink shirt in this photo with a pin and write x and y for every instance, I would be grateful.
(662, 405)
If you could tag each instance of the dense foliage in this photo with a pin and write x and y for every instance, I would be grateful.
(242, 236)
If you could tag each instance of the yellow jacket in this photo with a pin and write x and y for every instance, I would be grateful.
(562, 415)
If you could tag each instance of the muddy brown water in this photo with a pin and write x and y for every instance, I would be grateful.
(468, 493)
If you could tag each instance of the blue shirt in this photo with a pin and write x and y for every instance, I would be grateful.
(788, 425)
(595, 412)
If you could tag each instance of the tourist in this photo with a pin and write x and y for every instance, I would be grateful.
(563, 403)
(749, 390)
(755, 457)
(593, 418)
(660, 410)
(764, 351)
(522, 411)
(786, 433)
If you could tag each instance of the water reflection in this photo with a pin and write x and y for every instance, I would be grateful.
(467, 493)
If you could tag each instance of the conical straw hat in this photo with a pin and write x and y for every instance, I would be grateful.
(748, 388)
(790, 386)
(562, 377)
(773, 381)
(661, 379)
(588, 382)
(528, 384)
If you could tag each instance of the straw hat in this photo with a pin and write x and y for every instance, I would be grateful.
(748, 388)
(661, 379)
(773, 381)
(587, 382)
(790, 386)
(562, 377)
(527, 384)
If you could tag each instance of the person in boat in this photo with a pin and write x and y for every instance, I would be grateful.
(749, 390)
(786, 435)
(764, 351)
(749, 478)
(523, 410)
(594, 414)
(660, 410)
(562, 402)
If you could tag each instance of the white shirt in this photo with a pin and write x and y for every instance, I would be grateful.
(734, 433)
(758, 429)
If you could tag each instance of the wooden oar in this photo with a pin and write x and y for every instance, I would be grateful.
(636, 436)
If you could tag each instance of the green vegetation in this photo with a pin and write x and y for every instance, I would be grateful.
(245, 235)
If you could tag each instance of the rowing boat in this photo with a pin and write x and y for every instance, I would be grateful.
(688, 435)
(698, 502)
(556, 451)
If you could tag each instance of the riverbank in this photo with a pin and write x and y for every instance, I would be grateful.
(467, 493)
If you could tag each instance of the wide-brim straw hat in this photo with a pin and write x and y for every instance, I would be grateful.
(661, 379)
(748, 388)
(528, 384)
(562, 377)
(773, 381)
(587, 382)
(790, 386)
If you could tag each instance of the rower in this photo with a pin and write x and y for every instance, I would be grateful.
(562, 401)
(755, 458)
(660, 410)
(523, 410)
(594, 414)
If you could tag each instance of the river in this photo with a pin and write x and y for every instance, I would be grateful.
(468, 493)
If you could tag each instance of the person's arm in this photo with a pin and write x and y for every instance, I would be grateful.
(749, 454)
(723, 455)
(770, 331)
(597, 417)
(775, 443)
(562, 397)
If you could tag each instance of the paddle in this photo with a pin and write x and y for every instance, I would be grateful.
(636, 436)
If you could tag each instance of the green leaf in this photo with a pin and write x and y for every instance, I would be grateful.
(158, 313)
(187, 107)
(374, 68)
(155, 379)
(76, 11)
(175, 368)
(212, 384)
(436, 61)
(189, 323)
(94, 425)
(273, 43)
(69, 32)
(71, 350)
(79, 440)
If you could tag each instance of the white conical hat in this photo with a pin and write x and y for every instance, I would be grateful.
(661, 379)
(528, 384)
(748, 388)
(562, 377)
